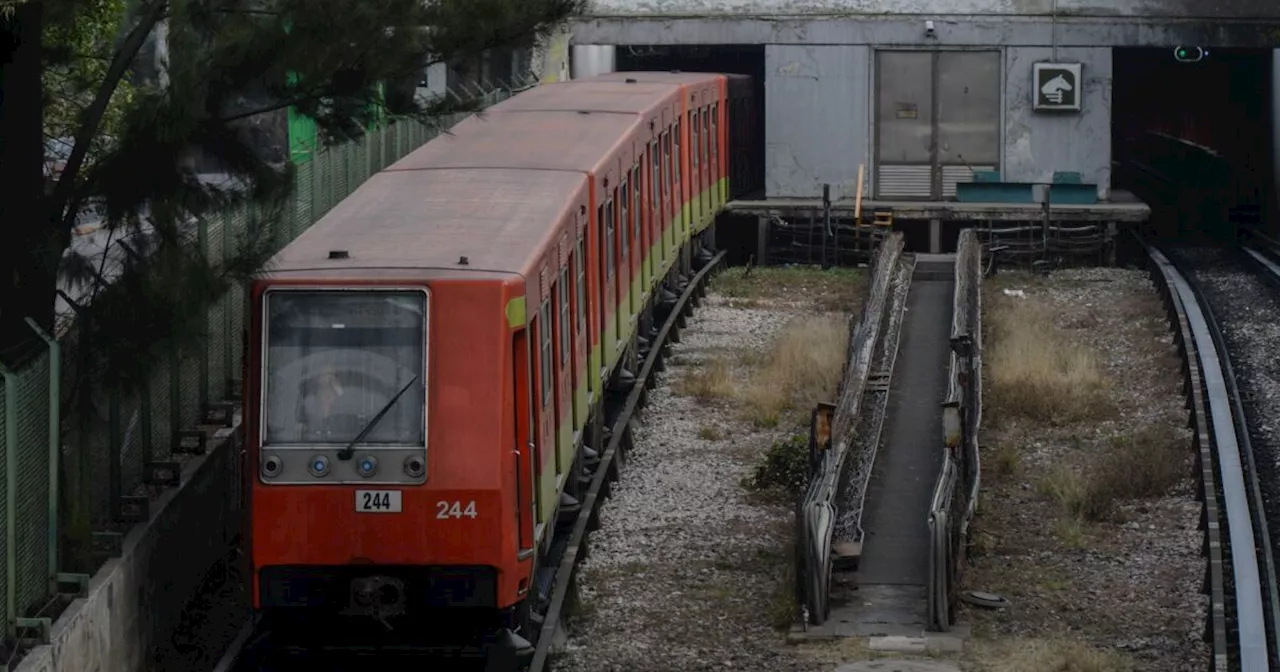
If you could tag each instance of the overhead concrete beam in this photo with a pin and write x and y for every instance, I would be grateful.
(1207, 9)
(949, 31)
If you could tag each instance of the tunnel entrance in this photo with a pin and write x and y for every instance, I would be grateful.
(740, 59)
(1194, 139)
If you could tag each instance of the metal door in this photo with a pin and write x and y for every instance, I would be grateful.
(937, 120)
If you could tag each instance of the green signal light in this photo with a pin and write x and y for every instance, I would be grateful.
(1189, 54)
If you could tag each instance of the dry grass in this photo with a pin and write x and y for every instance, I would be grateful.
(713, 379)
(1049, 655)
(803, 368)
(1143, 464)
(1039, 371)
(1090, 501)
(833, 289)
(1008, 460)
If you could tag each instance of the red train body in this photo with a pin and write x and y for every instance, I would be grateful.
(428, 362)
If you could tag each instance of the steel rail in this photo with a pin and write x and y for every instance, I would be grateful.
(231, 659)
(578, 538)
(1246, 535)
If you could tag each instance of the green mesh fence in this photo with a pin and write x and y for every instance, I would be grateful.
(119, 434)
(24, 447)
(33, 484)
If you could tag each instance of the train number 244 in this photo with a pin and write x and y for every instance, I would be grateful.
(455, 509)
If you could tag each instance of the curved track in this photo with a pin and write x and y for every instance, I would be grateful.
(251, 651)
(1241, 577)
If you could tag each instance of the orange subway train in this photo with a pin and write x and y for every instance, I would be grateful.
(428, 363)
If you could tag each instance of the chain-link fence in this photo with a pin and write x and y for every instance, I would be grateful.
(119, 448)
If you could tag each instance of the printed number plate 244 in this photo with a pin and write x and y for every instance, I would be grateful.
(378, 501)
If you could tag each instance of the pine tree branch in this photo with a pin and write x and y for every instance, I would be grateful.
(66, 200)
(278, 105)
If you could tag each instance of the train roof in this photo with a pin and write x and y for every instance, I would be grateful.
(577, 141)
(597, 96)
(428, 219)
(685, 78)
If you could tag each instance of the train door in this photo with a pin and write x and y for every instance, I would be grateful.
(655, 207)
(695, 172)
(643, 196)
(717, 166)
(623, 296)
(525, 450)
(708, 162)
(678, 189)
(606, 222)
(668, 207)
(581, 336)
(545, 410)
(564, 387)
(637, 240)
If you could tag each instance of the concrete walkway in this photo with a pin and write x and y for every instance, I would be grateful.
(886, 597)
(895, 552)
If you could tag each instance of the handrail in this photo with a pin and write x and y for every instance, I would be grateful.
(817, 511)
(955, 496)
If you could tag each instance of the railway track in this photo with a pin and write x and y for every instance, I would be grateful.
(1241, 579)
(253, 651)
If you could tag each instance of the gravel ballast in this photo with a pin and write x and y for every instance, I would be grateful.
(688, 570)
(1129, 583)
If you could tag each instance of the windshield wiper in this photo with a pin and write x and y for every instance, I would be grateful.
(346, 453)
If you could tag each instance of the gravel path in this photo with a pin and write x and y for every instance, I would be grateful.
(1129, 583)
(689, 571)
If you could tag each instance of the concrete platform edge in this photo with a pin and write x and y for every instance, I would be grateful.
(134, 600)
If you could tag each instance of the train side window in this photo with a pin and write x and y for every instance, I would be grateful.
(580, 266)
(694, 128)
(715, 136)
(637, 199)
(655, 167)
(564, 318)
(611, 224)
(544, 335)
(666, 164)
(676, 185)
(706, 144)
(624, 212)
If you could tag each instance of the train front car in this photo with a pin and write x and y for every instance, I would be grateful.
(374, 507)
(381, 465)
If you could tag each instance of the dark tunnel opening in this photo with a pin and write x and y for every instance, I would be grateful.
(1194, 140)
(741, 59)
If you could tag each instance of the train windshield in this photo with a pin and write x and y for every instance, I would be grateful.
(336, 358)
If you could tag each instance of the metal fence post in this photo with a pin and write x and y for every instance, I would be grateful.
(202, 238)
(55, 443)
(826, 222)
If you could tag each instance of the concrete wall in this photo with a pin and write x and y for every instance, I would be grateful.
(1036, 144)
(908, 30)
(135, 600)
(1219, 9)
(816, 118)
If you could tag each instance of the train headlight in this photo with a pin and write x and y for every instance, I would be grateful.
(319, 466)
(414, 466)
(368, 466)
(272, 466)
